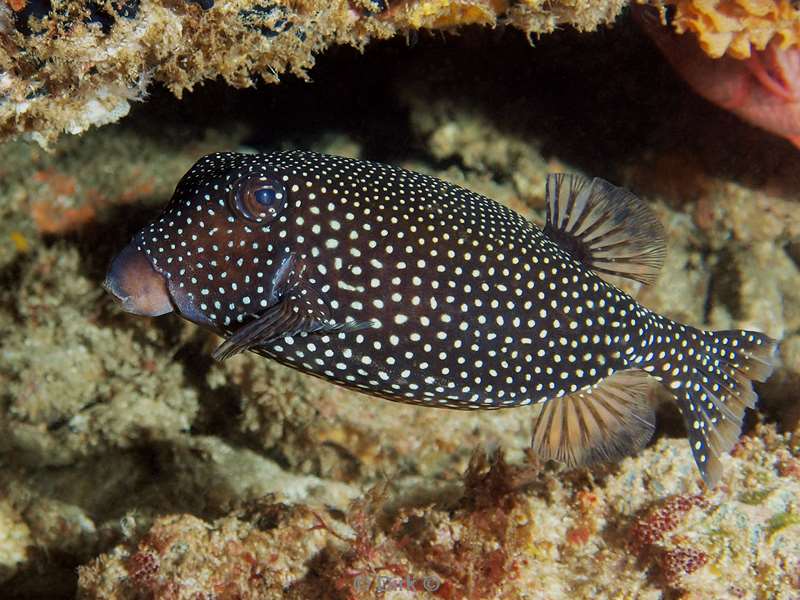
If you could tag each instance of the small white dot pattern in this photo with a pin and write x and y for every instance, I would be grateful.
(460, 301)
(469, 305)
(709, 373)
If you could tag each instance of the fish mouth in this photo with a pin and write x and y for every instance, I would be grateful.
(136, 285)
(185, 306)
(143, 289)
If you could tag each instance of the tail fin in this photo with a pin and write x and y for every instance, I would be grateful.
(710, 373)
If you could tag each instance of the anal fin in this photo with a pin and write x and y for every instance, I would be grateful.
(605, 227)
(606, 422)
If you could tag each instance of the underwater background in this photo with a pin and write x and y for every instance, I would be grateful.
(134, 466)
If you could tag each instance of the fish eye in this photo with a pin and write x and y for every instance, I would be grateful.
(267, 196)
(258, 198)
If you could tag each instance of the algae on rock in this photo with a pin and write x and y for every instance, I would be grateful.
(82, 65)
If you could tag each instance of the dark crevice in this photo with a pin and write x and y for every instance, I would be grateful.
(724, 283)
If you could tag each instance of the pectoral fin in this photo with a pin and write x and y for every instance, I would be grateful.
(299, 311)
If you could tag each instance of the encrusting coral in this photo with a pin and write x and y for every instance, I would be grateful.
(507, 531)
(67, 66)
(739, 27)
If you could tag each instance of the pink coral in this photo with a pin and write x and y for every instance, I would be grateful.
(681, 561)
(651, 528)
(763, 90)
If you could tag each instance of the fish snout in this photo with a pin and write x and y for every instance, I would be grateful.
(138, 287)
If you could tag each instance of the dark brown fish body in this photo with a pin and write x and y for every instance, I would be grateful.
(416, 290)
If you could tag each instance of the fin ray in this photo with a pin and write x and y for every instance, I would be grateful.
(297, 312)
(606, 227)
(605, 422)
(715, 392)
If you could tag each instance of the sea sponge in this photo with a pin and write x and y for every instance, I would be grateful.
(737, 27)
(442, 14)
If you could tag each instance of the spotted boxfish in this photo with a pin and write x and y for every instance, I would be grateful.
(416, 290)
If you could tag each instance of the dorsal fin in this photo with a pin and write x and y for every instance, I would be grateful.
(605, 422)
(605, 227)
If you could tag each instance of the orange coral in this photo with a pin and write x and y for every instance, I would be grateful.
(52, 218)
(55, 210)
(736, 27)
(442, 13)
(64, 204)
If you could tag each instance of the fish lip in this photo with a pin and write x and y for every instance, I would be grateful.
(169, 296)
(179, 300)
(136, 285)
(124, 301)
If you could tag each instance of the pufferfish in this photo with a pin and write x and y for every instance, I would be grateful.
(416, 290)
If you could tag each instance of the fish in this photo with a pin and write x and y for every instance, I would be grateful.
(409, 288)
(763, 90)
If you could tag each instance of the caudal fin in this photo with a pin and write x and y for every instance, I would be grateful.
(710, 373)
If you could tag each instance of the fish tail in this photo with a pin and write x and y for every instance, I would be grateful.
(710, 374)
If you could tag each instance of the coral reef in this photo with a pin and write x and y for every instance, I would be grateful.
(132, 466)
(257, 552)
(62, 396)
(507, 530)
